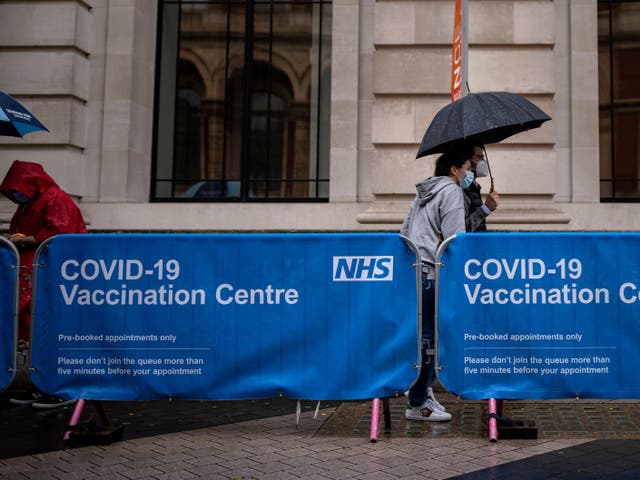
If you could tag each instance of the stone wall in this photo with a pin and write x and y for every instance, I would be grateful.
(86, 69)
(44, 53)
(511, 47)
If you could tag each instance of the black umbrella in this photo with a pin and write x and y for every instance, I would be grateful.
(486, 117)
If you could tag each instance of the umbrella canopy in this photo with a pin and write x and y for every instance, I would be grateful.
(15, 119)
(486, 117)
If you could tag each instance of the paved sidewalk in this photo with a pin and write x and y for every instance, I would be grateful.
(273, 448)
(335, 445)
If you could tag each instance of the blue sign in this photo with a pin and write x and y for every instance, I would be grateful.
(540, 315)
(8, 311)
(225, 316)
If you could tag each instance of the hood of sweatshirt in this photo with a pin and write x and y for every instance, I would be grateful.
(428, 188)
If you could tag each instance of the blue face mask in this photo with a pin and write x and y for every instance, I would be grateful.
(20, 198)
(467, 180)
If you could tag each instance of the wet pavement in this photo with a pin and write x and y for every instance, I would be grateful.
(581, 418)
(599, 459)
(25, 430)
(264, 439)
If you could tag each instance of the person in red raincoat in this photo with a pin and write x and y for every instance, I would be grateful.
(44, 210)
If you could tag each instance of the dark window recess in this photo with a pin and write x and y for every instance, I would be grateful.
(242, 101)
(619, 77)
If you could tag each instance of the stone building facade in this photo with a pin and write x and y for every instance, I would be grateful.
(88, 70)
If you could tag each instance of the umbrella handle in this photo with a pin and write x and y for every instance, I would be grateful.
(486, 157)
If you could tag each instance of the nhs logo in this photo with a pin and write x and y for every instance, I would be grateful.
(362, 269)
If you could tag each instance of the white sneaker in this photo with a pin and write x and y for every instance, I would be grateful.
(437, 404)
(426, 412)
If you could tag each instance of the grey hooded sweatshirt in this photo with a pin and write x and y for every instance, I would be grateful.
(436, 213)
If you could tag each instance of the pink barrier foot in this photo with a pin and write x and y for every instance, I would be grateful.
(92, 433)
(75, 417)
(493, 421)
(375, 420)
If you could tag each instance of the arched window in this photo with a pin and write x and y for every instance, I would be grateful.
(619, 74)
(247, 124)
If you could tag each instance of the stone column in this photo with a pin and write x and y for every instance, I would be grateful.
(125, 72)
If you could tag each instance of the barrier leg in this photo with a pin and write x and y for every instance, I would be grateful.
(386, 411)
(493, 421)
(75, 417)
(375, 420)
(92, 432)
(102, 413)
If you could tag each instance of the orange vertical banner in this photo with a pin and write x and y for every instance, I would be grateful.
(457, 52)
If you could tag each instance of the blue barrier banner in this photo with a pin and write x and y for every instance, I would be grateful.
(225, 316)
(9, 263)
(540, 315)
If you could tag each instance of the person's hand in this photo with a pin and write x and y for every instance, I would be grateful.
(20, 239)
(492, 200)
(15, 237)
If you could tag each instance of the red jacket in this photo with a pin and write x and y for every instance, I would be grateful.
(48, 212)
